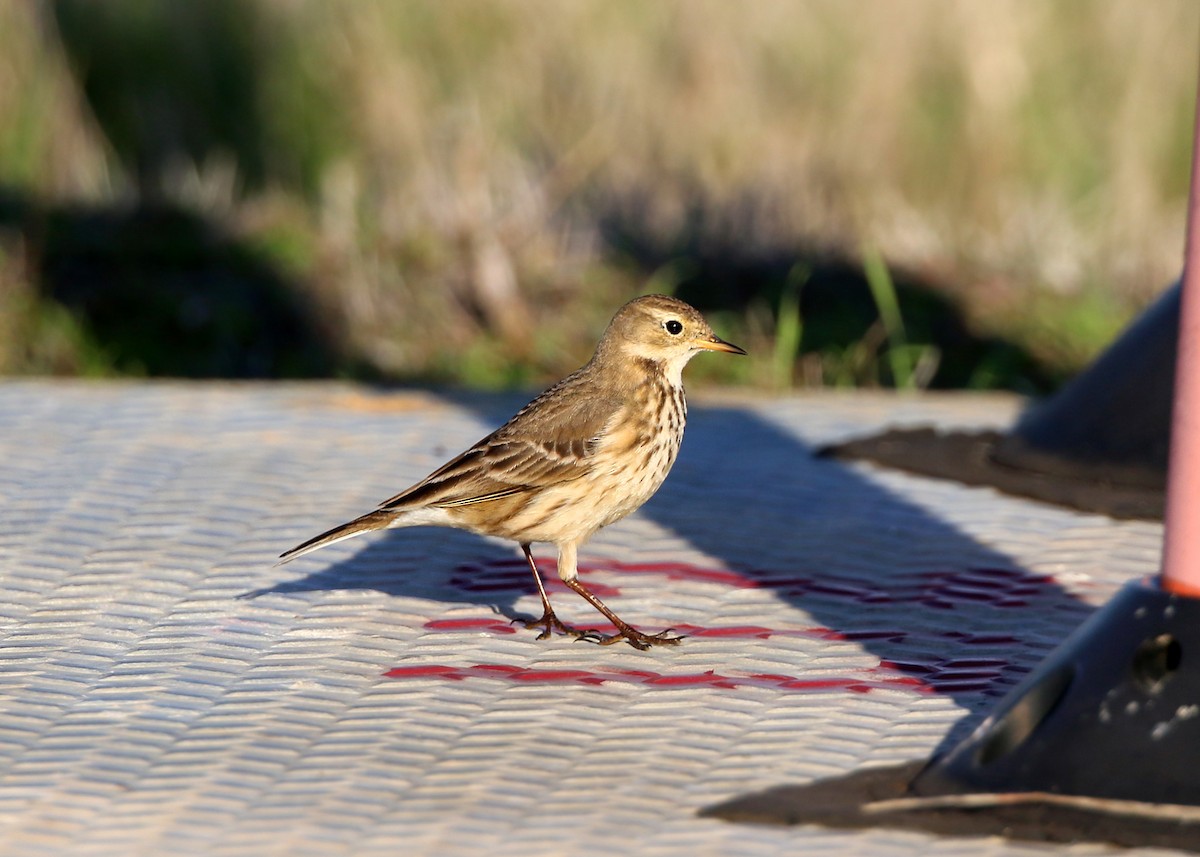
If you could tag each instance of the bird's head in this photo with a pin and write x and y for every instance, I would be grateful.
(663, 330)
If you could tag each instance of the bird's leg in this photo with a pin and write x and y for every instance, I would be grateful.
(568, 571)
(549, 622)
(625, 631)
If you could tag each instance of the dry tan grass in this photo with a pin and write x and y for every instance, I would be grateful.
(1019, 153)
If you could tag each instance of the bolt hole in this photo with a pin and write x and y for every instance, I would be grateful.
(1156, 660)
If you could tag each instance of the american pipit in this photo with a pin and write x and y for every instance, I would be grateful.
(583, 454)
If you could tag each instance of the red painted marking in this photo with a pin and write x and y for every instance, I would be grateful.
(948, 675)
(987, 675)
(939, 589)
(989, 639)
(871, 680)
(772, 678)
(709, 678)
(558, 676)
(492, 624)
(748, 632)
(947, 589)
(451, 673)
(856, 636)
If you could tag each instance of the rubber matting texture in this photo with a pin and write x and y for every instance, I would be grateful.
(168, 690)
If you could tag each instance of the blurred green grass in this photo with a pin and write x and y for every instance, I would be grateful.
(463, 192)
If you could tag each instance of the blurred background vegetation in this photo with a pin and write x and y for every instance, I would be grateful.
(927, 193)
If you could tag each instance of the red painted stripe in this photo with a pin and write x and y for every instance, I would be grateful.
(942, 589)
(871, 680)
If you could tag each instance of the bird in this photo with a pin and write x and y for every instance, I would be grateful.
(585, 453)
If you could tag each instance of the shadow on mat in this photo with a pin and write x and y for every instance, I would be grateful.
(926, 599)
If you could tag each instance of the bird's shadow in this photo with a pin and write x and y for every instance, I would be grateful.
(420, 562)
(858, 562)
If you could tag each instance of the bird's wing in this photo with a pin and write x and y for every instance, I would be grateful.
(551, 440)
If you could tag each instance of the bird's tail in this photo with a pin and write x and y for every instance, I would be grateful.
(371, 521)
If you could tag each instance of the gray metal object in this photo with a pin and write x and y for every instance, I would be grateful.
(375, 698)
(1110, 713)
(1098, 445)
(1111, 423)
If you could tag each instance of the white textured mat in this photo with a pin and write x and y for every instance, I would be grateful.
(167, 690)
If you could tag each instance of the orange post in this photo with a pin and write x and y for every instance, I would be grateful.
(1181, 534)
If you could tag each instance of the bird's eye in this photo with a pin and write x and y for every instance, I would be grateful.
(673, 327)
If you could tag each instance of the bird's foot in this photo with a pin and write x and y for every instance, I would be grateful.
(549, 623)
(633, 637)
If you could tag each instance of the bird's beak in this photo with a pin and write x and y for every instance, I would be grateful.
(716, 344)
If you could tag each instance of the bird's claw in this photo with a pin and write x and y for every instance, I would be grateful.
(549, 623)
(634, 637)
